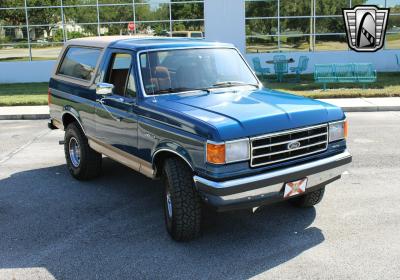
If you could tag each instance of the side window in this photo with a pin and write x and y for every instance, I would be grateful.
(118, 72)
(80, 63)
(131, 87)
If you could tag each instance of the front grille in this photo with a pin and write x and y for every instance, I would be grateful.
(274, 148)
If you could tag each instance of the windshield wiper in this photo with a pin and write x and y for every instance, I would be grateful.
(179, 89)
(233, 84)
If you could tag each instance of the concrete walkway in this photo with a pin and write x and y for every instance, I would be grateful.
(348, 105)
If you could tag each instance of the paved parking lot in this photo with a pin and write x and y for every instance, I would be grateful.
(53, 227)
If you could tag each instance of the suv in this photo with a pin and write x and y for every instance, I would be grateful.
(194, 114)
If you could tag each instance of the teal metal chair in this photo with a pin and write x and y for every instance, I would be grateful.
(280, 66)
(279, 57)
(258, 68)
(301, 67)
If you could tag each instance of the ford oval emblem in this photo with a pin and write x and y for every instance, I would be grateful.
(293, 145)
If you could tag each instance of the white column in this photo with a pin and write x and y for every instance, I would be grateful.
(224, 21)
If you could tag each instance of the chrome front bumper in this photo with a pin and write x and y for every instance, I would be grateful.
(268, 187)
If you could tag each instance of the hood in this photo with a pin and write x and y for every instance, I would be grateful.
(245, 113)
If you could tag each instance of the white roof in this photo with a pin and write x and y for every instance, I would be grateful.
(103, 41)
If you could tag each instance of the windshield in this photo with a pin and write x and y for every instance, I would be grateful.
(173, 71)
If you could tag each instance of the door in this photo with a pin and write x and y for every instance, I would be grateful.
(116, 118)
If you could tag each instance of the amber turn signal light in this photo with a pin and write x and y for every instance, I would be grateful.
(216, 153)
(345, 128)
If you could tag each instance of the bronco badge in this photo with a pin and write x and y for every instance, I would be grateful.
(365, 27)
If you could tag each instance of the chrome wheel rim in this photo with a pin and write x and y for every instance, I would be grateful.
(74, 152)
(169, 204)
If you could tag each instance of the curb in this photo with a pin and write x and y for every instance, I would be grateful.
(371, 109)
(25, 117)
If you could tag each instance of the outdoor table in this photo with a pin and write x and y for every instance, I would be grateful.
(279, 75)
(290, 60)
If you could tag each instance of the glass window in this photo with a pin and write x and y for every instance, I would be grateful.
(79, 2)
(12, 3)
(153, 12)
(15, 52)
(187, 11)
(80, 63)
(394, 6)
(44, 16)
(153, 28)
(258, 27)
(262, 44)
(12, 17)
(331, 42)
(114, 29)
(173, 71)
(264, 8)
(392, 41)
(393, 23)
(116, 13)
(330, 25)
(118, 72)
(331, 7)
(10, 35)
(296, 26)
(83, 14)
(131, 87)
(295, 43)
(41, 3)
(45, 51)
(295, 8)
(379, 3)
(194, 29)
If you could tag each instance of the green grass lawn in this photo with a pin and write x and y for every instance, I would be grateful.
(23, 94)
(388, 84)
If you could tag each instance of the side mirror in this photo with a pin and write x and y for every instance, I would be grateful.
(104, 89)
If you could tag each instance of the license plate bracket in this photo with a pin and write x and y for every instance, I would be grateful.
(295, 187)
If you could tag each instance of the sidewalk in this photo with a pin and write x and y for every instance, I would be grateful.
(348, 105)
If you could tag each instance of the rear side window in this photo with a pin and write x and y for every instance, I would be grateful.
(80, 63)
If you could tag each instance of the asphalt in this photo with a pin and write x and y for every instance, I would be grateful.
(347, 104)
(54, 227)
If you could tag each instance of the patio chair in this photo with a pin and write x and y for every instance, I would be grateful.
(301, 67)
(279, 57)
(281, 68)
(258, 68)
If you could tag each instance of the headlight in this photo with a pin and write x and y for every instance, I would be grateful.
(227, 152)
(337, 130)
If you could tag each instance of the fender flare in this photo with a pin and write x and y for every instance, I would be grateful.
(173, 149)
(74, 114)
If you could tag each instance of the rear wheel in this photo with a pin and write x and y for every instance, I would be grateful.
(308, 200)
(82, 161)
(182, 204)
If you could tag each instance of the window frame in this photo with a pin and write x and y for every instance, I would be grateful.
(80, 81)
(107, 66)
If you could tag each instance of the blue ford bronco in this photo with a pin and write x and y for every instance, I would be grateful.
(195, 115)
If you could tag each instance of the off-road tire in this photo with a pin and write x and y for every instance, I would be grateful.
(184, 221)
(309, 199)
(90, 161)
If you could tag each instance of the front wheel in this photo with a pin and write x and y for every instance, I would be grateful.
(309, 199)
(182, 204)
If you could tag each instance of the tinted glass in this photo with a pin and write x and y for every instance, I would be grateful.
(80, 63)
